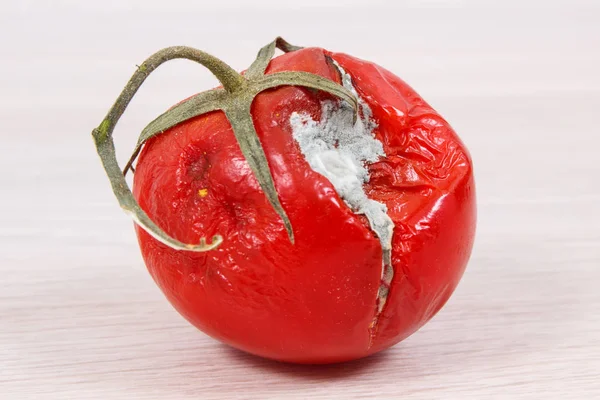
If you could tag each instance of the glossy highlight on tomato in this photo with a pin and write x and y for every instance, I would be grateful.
(314, 300)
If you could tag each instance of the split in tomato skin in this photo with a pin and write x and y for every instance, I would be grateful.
(426, 181)
(312, 301)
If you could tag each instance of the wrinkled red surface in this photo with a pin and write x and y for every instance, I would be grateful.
(311, 302)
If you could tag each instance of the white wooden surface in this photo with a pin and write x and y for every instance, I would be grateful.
(520, 81)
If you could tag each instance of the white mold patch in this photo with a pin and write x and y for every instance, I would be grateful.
(340, 150)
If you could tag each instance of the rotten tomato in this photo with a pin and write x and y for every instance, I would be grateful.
(341, 206)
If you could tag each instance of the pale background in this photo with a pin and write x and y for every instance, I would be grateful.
(80, 317)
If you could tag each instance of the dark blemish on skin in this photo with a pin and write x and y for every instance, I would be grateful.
(198, 169)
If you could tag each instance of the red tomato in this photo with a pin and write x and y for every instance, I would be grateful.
(314, 301)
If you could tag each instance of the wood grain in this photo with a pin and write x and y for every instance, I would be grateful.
(80, 317)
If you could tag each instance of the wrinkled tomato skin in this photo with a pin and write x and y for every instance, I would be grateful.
(313, 301)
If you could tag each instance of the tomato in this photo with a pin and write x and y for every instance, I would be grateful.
(319, 298)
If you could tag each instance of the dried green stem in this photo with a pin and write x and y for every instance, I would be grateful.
(285, 46)
(238, 114)
(235, 99)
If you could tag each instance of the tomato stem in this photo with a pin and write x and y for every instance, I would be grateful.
(235, 100)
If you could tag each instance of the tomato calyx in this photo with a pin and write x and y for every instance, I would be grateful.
(234, 99)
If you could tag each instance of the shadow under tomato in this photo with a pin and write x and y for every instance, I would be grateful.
(312, 372)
